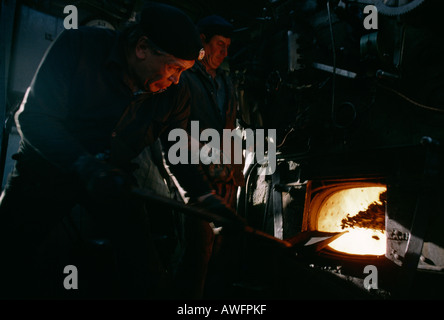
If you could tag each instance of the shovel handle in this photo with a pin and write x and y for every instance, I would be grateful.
(207, 216)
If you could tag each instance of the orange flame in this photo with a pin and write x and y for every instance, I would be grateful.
(361, 241)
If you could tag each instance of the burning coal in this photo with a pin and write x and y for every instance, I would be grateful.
(371, 218)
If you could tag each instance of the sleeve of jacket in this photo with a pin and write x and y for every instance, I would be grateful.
(191, 177)
(40, 119)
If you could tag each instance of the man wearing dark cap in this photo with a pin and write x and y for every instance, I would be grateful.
(95, 102)
(213, 105)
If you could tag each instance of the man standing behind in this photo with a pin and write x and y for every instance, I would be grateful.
(213, 105)
(213, 100)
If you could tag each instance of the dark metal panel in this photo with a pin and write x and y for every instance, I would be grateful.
(35, 32)
(6, 30)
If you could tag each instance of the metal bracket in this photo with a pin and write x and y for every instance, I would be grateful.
(420, 220)
(277, 205)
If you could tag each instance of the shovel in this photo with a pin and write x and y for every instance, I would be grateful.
(304, 242)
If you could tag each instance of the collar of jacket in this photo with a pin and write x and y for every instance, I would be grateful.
(200, 68)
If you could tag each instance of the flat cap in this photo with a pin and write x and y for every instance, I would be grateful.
(215, 25)
(171, 30)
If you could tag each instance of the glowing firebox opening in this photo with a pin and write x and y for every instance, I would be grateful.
(361, 241)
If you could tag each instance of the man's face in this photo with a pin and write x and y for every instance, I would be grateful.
(163, 71)
(215, 51)
(154, 72)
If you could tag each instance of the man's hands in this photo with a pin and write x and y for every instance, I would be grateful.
(102, 181)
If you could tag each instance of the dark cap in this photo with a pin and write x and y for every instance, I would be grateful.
(215, 25)
(171, 30)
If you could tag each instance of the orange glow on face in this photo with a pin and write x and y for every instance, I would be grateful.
(358, 240)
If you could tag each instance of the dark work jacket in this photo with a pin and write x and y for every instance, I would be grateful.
(79, 105)
(205, 109)
(204, 106)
